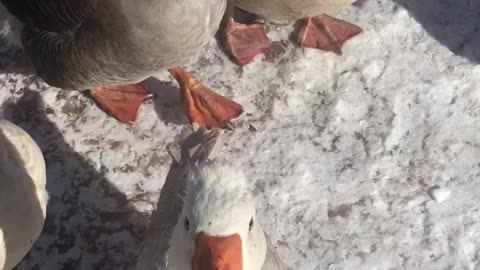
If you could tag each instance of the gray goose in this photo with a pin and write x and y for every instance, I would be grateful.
(317, 30)
(109, 46)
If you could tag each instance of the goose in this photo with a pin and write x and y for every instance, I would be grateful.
(23, 198)
(317, 30)
(217, 227)
(110, 46)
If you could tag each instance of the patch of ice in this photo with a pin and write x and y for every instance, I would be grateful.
(441, 194)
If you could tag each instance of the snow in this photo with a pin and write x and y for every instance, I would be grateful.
(441, 194)
(342, 152)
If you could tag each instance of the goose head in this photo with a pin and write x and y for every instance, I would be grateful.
(219, 220)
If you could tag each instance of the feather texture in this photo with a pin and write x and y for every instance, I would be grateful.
(288, 11)
(80, 44)
(51, 15)
(23, 197)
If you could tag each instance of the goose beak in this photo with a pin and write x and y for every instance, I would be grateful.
(217, 253)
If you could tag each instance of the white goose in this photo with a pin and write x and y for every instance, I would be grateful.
(23, 198)
(217, 228)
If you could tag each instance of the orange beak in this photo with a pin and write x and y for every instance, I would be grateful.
(217, 253)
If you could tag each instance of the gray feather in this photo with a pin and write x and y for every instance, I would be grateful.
(78, 44)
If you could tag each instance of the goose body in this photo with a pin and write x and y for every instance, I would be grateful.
(217, 228)
(80, 44)
(23, 198)
(289, 11)
(110, 46)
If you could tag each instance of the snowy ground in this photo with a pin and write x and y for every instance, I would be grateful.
(344, 153)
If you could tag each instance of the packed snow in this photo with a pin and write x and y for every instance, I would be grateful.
(369, 160)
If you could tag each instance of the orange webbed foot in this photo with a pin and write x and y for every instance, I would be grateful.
(121, 102)
(204, 106)
(326, 33)
(244, 42)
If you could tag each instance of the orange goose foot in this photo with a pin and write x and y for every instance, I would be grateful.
(203, 106)
(245, 41)
(121, 102)
(326, 33)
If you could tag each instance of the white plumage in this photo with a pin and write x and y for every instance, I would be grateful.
(23, 198)
(217, 228)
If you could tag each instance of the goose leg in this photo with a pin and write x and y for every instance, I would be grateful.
(52, 55)
(121, 102)
(203, 106)
(243, 42)
(326, 33)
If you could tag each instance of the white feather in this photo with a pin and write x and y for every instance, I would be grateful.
(23, 198)
(218, 199)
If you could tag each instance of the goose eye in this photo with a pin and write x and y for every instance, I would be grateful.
(187, 224)
(250, 225)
